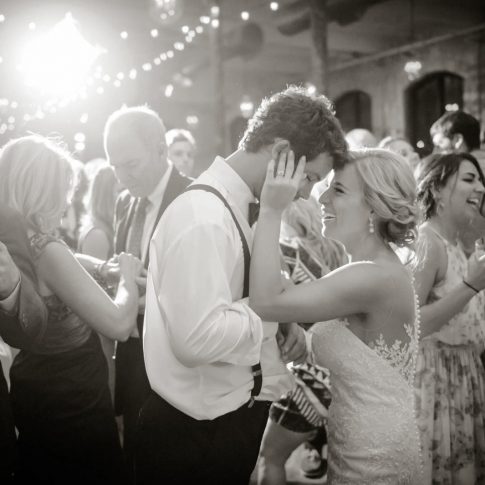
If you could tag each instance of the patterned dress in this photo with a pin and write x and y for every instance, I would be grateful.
(450, 388)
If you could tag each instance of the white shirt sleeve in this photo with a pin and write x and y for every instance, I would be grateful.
(192, 283)
(7, 305)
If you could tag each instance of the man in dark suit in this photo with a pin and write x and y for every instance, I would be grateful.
(23, 317)
(134, 140)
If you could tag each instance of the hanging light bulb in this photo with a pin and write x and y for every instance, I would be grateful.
(412, 68)
(246, 106)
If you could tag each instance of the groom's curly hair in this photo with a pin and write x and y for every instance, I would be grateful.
(306, 120)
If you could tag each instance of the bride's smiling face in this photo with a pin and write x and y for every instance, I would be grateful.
(345, 213)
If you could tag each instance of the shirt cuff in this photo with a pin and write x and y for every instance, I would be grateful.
(8, 304)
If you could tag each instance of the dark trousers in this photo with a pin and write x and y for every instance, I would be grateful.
(7, 434)
(131, 390)
(177, 449)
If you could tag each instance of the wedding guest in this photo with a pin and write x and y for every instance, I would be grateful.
(97, 233)
(456, 132)
(59, 387)
(97, 237)
(181, 150)
(450, 379)
(402, 147)
(361, 138)
(134, 141)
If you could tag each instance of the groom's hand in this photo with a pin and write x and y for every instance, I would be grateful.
(292, 344)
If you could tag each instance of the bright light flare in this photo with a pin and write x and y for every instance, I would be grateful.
(57, 62)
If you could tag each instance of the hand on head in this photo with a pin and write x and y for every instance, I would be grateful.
(9, 273)
(282, 181)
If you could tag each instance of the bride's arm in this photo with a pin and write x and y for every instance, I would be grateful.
(58, 268)
(352, 289)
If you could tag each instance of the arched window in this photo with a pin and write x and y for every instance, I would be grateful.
(354, 110)
(426, 100)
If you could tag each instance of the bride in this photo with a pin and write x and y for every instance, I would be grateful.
(368, 308)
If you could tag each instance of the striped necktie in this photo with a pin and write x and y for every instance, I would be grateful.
(133, 243)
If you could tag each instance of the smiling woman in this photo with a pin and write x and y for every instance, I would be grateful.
(369, 322)
(355, 198)
(450, 379)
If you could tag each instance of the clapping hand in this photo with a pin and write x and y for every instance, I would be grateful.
(9, 273)
(281, 186)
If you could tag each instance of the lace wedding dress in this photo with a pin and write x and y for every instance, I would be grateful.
(372, 432)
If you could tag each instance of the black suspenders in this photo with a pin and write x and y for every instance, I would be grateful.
(255, 369)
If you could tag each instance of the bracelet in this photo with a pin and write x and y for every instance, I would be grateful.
(98, 270)
(470, 286)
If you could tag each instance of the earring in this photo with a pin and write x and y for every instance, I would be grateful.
(439, 206)
(371, 225)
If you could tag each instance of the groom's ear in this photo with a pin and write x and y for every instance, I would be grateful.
(280, 145)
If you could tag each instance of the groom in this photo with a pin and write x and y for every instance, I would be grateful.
(204, 347)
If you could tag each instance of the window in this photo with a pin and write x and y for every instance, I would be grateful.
(426, 100)
(354, 110)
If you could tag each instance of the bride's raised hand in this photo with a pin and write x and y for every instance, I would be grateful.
(281, 185)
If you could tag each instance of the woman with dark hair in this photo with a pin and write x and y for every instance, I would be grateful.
(450, 379)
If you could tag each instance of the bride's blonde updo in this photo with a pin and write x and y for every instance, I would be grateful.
(390, 191)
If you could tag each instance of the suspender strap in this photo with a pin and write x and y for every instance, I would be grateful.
(255, 369)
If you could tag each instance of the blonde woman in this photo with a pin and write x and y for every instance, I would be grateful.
(60, 395)
(370, 342)
(97, 236)
(97, 232)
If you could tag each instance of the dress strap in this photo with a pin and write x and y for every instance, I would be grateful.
(39, 241)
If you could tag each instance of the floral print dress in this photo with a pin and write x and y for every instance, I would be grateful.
(450, 388)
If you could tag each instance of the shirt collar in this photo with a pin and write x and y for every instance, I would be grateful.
(156, 196)
(237, 189)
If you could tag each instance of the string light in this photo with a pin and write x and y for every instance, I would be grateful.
(245, 15)
(168, 90)
(53, 104)
(274, 6)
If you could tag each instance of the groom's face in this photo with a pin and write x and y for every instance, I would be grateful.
(315, 171)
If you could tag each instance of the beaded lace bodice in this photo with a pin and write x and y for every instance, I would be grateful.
(402, 355)
(373, 437)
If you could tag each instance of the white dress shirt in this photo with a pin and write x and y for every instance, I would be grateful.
(153, 208)
(200, 337)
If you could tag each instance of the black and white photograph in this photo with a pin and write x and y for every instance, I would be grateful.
(242, 242)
